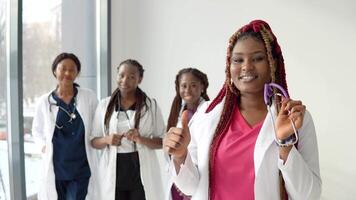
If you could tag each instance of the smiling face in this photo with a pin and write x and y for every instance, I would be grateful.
(66, 72)
(128, 78)
(249, 66)
(190, 88)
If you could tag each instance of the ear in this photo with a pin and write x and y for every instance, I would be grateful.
(140, 80)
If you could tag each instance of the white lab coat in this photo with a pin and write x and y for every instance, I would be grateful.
(151, 125)
(168, 194)
(43, 129)
(300, 172)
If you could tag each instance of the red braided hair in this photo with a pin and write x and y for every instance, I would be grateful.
(261, 31)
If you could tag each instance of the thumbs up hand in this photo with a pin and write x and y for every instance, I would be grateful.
(176, 140)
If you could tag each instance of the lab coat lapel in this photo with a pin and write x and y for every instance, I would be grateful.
(264, 140)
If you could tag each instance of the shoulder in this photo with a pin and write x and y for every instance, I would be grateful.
(43, 99)
(86, 92)
(151, 102)
(202, 117)
(104, 102)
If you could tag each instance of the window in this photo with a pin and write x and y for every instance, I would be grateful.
(4, 165)
(49, 28)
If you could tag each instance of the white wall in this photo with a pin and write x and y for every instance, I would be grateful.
(318, 40)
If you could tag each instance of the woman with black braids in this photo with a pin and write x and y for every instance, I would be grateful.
(191, 92)
(232, 152)
(127, 127)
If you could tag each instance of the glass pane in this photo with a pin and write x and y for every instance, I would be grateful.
(41, 43)
(4, 164)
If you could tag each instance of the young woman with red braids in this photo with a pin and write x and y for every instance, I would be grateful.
(191, 92)
(229, 150)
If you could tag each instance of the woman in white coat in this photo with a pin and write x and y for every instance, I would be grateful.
(232, 153)
(191, 92)
(128, 127)
(62, 124)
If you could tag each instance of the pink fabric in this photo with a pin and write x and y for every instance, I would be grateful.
(178, 195)
(234, 168)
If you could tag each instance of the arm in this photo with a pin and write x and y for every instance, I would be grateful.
(38, 125)
(153, 143)
(182, 168)
(301, 171)
(102, 142)
(155, 139)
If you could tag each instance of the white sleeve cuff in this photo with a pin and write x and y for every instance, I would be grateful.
(187, 179)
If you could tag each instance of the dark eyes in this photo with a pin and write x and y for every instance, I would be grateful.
(185, 86)
(237, 60)
(130, 77)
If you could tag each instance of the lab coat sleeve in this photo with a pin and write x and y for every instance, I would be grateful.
(94, 105)
(98, 121)
(187, 179)
(301, 171)
(38, 124)
(159, 122)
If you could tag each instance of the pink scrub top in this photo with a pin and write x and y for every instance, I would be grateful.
(234, 172)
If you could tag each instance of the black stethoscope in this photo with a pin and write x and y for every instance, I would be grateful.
(71, 114)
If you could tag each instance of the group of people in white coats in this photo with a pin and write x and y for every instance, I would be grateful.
(233, 147)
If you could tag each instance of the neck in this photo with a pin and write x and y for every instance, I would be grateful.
(193, 106)
(65, 90)
(128, 96)
(252, 102)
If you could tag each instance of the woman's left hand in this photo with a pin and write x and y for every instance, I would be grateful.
(290, 110)
(133, 135)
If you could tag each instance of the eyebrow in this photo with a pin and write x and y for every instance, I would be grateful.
(127, 73)
(255, 52)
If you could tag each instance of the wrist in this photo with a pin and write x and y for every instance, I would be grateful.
(286, 142)
(284, 152)
(107, 140)
(179, 159)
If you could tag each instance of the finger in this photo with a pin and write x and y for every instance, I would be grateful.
(297, 108)
(172, 144)
(174, 130)
(292, 103)
(185, 119)
(295, 116)
(284, 105)
(174, 137)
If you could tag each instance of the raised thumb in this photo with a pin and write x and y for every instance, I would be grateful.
(185, 115)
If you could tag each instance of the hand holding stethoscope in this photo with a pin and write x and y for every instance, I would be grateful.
(114, 139)
(290, 117)
(133, 135)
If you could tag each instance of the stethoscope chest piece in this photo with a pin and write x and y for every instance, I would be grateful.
(73, 116)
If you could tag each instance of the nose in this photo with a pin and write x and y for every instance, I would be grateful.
(188, 89)
(124, 79)
(247, 65)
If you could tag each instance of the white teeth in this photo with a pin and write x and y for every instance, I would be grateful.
(247, 78)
